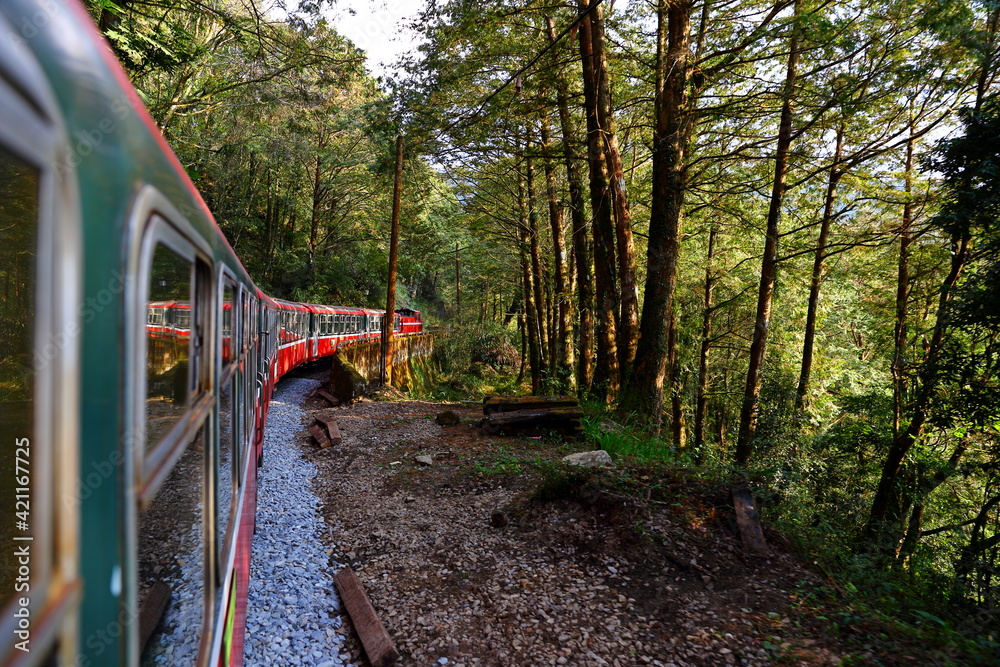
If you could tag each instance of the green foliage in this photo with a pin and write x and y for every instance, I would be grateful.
(561, 481)
(488, 344)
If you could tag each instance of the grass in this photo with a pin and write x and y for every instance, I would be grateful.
(501, 466)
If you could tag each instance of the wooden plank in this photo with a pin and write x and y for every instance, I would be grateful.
(332, 400)
(154, 603)
(319, 436)
(374, 638)
(334, 430)
(492, 404)
(748, 521)
(328, 421)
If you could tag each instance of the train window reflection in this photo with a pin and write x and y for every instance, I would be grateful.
(226, 459)
(167, 342)
(228, 315)
(171, 571)
(18, 225)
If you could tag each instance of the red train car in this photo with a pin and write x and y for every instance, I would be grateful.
(408, 321)
(293, 335)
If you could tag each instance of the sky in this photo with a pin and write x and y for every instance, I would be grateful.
(378, 27)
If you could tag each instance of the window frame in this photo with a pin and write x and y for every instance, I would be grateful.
(34, 132)
(153, 217)
(155, 464)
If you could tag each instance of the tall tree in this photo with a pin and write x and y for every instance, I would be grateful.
(628, 317)
(606, 378)
(674, 120)
(581, 239)
(769, 260)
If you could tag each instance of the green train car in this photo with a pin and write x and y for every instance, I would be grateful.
(137, 359)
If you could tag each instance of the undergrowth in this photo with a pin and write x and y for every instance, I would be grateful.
(806, 489)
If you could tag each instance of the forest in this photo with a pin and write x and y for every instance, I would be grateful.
(762, 234)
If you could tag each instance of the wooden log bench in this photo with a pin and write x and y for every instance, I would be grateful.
(532, 413)
(492, 404)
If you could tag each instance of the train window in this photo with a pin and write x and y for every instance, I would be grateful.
(19, 202)
(226, 457)
(168, 384)
(229, 316)
(170, 560)
(249, 331)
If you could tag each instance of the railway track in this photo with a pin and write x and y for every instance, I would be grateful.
(293, 608)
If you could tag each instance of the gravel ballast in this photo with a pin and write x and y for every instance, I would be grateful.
(293, 609)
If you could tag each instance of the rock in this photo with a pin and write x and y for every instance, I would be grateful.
(499, 519)
(424, 460)
(598, 457)
(448, 418)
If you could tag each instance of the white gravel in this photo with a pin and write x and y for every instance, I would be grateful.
(293, 608)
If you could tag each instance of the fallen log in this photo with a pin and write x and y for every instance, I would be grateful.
(374, 637)
(564, 420)
(561, 414)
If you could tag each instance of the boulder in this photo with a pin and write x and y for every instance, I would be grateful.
(598, 457)
(424, 460)
(499, 519)
(448, 418)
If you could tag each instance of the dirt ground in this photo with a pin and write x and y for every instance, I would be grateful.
(467, 565)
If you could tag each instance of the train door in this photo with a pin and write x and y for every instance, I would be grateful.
(315, 327)
(40, 274)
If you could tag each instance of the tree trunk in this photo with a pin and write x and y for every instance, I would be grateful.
(701, 402)
(817, 275)
(628, 320)
(390, 293)
(458, 284)
(606, 379)
(530, 309)
(524, 334)
(677, 422)
(562, 361)
(902, 296)
(318, 195)
(581, 240)
(536, 270)
(769, 262)
(644, 390)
